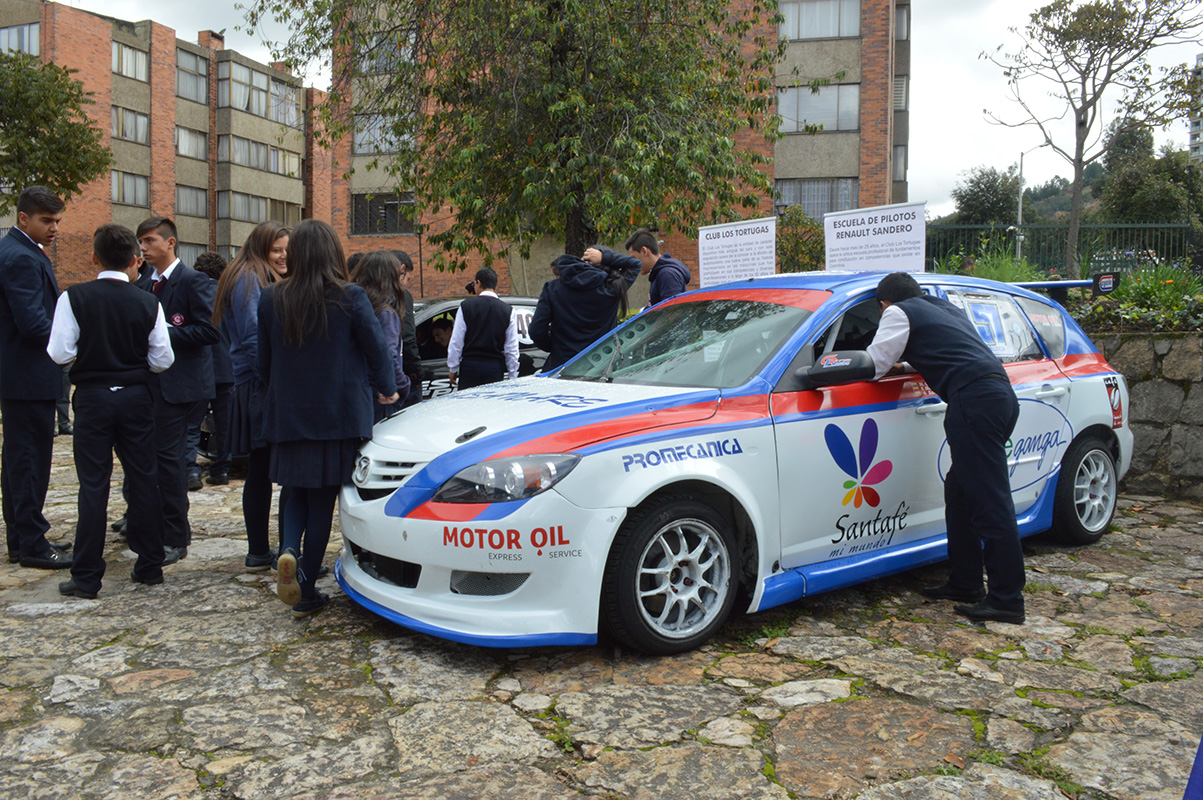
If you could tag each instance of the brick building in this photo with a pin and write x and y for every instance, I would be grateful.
(198, 132)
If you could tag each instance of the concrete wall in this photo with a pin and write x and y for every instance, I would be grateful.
(1165, 378)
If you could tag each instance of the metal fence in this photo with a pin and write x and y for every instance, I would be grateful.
(1101, 247)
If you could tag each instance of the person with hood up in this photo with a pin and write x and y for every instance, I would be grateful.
(581, 305)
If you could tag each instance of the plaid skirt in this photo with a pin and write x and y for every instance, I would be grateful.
(244, 431)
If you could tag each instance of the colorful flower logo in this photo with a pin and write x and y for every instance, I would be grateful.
(868, 474)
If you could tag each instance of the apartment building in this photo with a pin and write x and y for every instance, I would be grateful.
(1196, 122)
(200, 133)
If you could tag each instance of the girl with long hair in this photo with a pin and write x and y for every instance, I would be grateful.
(321, 350)
(236, 313)
(379, 275)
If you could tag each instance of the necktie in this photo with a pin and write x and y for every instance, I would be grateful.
(157, 285)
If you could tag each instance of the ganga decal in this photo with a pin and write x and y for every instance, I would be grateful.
(867, 474)
(1036, 446)
(562, 400)
(682, 452)
(502, 542)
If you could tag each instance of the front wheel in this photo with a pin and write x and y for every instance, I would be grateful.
(1087, 490)
(670, 579)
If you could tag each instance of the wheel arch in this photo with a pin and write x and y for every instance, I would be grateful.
(1104, 434)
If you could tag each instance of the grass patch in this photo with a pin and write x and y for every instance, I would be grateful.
(1039, 767)
(994, 757)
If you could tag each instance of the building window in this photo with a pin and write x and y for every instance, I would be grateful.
(819, 19)
(384, 53)
(21, 39)
(287, 213)
(836, 108)
(902, 23)
(258, 155)
(130, 62)
(188, 253)
(192, 76)
(191, 201)
(818, 197)
(374, 134)
(382, 213)
(228, 251)
(190, 143)
(245, 207)
(130, 125)
(131, 190)
(285, 104)
(242, 88)
(900, 162)
(901, 85)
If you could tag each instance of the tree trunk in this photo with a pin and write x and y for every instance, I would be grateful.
(578, 234)
(1072, 269)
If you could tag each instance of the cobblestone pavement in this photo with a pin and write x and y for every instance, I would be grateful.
(204, 687)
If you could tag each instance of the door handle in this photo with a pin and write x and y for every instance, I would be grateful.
(931, 409)
(1051, 391)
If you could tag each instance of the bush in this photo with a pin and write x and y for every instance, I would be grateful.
(1157, 287)
(1154, 298)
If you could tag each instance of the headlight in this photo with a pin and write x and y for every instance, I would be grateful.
(505, 479)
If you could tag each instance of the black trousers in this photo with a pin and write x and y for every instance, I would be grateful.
(171, 429)
(479, 371)
(107, 420)
(977, 493)
(25, 474)
(217, 440)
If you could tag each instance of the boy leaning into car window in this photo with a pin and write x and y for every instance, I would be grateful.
(937, 339)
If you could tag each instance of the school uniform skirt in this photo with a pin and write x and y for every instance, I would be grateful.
(312, 465)
(244, 431)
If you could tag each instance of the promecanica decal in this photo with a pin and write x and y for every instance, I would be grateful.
(681, 452)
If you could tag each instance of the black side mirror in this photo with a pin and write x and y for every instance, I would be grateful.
(836, 367)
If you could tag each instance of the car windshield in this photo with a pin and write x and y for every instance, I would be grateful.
(717, 343)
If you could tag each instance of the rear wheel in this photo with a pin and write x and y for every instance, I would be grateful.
(670, 579)
(1087, 490)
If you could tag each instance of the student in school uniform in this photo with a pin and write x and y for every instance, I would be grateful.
(187, 299)
(113, 336)
(378, 274)
(321, 350)
(261, 262)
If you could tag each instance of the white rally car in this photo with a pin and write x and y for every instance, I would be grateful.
(724, 445)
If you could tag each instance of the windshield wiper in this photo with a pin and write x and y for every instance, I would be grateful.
(617, 354)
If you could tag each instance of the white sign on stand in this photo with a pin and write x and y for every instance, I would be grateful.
(882, 239)
(737, 251)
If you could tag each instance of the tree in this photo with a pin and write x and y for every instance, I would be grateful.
(985, 196)
(519, 119)
(1164, 189)
(46, 137)
(1126, 141)
(801, 246)
(1083, 54)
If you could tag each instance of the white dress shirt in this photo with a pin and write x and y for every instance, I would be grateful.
(455, 347)
(893, 332)
(154, 273)
(64, 331)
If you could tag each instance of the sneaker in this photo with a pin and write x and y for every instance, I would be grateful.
(311, 606)
(260, 563)
(288, 587)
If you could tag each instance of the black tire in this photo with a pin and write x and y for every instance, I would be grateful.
(1087, 490)
(654, 557)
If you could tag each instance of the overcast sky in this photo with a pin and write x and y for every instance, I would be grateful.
(950, 84)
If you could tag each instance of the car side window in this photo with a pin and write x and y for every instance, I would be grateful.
(854, 330)
(998, 320)
(1049, 324)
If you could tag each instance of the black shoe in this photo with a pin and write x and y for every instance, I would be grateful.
(62, 547)
(946, 592)
(13, 559)
(118, 527)
(66, 430)
(310, 606)
(261, 563)
(984, 612)
(220, 479)
(71, 590)
(288, 580)
(323, 570)
(54, 559)
(194, 480)
(174, 554)
(155, 581)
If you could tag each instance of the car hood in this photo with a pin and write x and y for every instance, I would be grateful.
(536, 415)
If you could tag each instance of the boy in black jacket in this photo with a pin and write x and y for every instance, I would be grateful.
(116, 335)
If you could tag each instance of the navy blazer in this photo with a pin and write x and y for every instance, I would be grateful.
(322, 389)
(187, 302)
(28, 293)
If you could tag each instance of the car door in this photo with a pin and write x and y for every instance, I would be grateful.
(1043, 431)
(858, 463)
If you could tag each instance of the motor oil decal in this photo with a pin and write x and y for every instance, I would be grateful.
(1117, 401)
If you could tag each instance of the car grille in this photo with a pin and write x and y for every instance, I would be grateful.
(486, 584)
(390, 570)
(385, 477)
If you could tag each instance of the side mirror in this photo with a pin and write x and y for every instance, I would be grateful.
(836, 367)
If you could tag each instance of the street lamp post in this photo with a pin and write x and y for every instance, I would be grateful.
(1019, 214)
